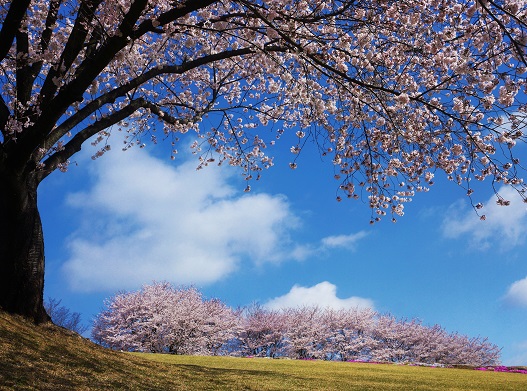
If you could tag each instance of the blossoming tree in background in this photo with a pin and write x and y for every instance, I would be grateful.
(139, 320)
(354, 338)
(392, 92)
(161, 318)
(261, 332)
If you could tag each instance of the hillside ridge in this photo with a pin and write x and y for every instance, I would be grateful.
(48, 357)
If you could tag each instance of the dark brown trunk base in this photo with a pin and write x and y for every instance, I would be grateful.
(21, 248)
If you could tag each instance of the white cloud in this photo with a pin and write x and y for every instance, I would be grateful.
(328, 243)
(301, 252)
(323, 295)
(517, 293)
(504, 225)
(144, 219)
(347, 241)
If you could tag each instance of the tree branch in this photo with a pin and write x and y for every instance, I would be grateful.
(89, 70)
(170, 16)
(27, 71)
(4, 116)
(75, 144)
(73, 92)
(75, 44)
(57, 133)
(10, 26)
(518, 47)
(23, 69)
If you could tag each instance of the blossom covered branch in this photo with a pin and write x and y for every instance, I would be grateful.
(392, 92)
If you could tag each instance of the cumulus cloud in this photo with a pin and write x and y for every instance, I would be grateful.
(517, 293)
(144, 219)
(506, 225)
(323, 295)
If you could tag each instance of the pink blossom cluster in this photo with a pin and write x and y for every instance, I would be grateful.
(161, 318)
(501, 368)
(392, 92)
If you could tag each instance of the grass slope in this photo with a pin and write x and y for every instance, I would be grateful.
(51, 358)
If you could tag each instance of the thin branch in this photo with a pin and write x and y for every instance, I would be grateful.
(519, 48)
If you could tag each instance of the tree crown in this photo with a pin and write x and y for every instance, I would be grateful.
(391, 91)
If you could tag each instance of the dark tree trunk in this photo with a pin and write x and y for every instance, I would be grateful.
(21, 247)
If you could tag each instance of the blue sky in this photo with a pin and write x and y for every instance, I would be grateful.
(133, 217)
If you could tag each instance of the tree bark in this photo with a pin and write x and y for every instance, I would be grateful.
(21, 247)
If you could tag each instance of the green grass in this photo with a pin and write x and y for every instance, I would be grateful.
(50, 358)
(229, 373)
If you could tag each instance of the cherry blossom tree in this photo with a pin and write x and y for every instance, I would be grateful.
(140, 321)
(262, 332)
(221, 325)
(391, 340)
(160, 318)
(363, 334)
(351, 333)
(392, 92)
(410, 341)
(200, 326)
(306, 333)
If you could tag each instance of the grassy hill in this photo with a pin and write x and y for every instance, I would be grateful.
(51, 358)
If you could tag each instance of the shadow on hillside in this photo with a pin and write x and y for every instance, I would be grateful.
(225, 376)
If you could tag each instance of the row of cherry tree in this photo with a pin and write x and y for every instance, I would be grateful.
(161, 318)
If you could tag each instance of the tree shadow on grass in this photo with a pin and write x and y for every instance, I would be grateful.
(234, 378)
